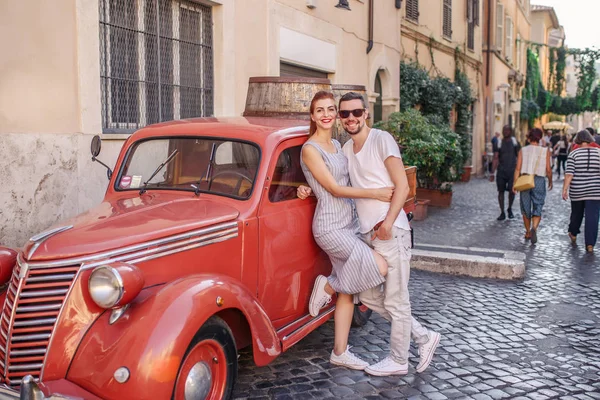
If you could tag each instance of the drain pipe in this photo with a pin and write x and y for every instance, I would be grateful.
(489, 38)
(488, 110)
(370, 46)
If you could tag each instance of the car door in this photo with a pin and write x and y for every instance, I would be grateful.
(289, 258)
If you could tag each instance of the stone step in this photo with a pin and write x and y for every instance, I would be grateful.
(469, 261)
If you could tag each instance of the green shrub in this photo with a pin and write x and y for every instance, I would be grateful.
(427, 143)
(413, 80)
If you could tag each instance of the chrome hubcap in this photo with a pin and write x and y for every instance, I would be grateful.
(198, 382)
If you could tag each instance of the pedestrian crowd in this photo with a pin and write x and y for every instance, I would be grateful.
(526, 169)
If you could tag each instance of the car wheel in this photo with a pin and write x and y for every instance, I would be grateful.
(209, 367)
(361, 315)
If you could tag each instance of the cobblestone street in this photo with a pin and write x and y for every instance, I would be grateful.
(533, 339)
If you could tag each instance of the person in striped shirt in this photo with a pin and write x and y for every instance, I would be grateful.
(582, 186)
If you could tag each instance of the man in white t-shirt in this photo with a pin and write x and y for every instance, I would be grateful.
(374, 161)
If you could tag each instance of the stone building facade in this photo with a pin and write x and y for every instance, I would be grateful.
(76, 68)
(431, 34)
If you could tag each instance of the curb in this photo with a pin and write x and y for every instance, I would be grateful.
(469, 261)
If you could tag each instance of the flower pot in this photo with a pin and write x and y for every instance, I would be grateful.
(436, 197)
(466, 175)
(411, 176)
(420, 212)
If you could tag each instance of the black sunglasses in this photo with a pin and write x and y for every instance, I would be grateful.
(357, 113)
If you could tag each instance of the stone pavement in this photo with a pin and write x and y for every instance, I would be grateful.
(538, 338)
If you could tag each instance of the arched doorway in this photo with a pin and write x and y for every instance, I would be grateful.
(378, 106)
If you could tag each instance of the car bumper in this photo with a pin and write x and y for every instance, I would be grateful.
(7, 393)
(53, 390)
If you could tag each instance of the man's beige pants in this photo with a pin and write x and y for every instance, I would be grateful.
(393, 302)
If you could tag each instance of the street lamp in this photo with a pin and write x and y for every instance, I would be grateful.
(343, 4)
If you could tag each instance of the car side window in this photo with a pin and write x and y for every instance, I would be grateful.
(287, 176)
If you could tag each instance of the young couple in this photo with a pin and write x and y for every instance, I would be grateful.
(370, 252)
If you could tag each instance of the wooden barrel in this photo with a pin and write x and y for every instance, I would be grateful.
(283, 97)
(338, 91)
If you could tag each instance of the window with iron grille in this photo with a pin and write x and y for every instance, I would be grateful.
(156, 62)
(412, 10)
(447, 25)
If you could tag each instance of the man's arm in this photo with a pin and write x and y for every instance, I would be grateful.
(395, 168)
(319, 170)
(495, 162)
(496, 159)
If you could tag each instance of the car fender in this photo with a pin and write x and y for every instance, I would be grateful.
(151, 338)
(8, 259)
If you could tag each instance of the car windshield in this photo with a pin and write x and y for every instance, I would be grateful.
(200, 164)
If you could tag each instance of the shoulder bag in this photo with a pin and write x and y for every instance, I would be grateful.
(526, 181)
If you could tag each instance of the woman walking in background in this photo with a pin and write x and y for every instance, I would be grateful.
(561, 150)
(534, 160)
(582, 185)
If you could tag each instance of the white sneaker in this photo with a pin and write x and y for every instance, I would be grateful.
(348, 359)
(319, 297)
(387, 367)
(426, 351)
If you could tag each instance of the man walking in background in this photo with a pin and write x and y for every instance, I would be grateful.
(505, 162)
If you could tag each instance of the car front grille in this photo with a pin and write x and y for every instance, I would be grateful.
(29, 315)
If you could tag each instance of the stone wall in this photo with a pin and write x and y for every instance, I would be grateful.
(47, 178)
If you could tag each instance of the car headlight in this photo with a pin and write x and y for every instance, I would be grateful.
(115, 285)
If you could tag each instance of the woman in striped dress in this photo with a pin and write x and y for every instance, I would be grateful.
(582, 185)
(356, 267)
(534, 160)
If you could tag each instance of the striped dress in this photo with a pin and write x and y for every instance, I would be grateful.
(584, 164)
(335, 228)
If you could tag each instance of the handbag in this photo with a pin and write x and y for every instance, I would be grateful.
(526, 181)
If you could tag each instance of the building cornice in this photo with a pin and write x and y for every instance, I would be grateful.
(500, 58)
(419, 37)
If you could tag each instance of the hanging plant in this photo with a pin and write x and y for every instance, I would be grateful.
(463, 106)
(537, 101)
(413, 80)
(533, 80)
(586, 75)
(561, 64)
(530, 111)
(438, 98)
(544, 100)
(551, 63)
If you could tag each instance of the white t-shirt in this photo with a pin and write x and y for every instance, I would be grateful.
(533, 160)
(367, 171)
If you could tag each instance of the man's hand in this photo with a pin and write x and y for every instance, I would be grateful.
(565, 194)
(303, 192)
(384, 194)
(491, 178)
(382, 231)
(549, 185)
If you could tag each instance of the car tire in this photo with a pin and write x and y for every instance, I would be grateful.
(211, 354)
(361, 315)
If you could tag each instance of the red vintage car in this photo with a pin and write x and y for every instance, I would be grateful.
(199, 248)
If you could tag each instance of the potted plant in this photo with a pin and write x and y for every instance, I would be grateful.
(430, 145)
(466, 174)
(420, 212)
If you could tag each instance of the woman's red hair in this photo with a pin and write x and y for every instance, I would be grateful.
(320, 95)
